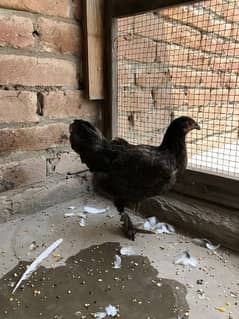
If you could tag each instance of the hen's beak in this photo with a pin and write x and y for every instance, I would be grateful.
(196, 126)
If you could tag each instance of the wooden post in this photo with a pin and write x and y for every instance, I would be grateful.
(94, 54)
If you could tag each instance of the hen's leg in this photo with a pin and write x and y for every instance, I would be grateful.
(128, 226)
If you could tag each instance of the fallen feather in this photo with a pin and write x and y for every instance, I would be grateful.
(82, 222)
(37, 261)
(205, 243)
(163, 228)
(152, 224)
(117, 262)
(127, 251)
(71, 207)
(93, 210)
(100, 315)
(186, 260)
(111, 311)
(76, 214)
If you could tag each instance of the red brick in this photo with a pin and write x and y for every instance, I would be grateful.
(192, 78)
(198, 60)
(125, 25)
(33, 138)
(234, 95)
(225, 64)
(227, 10)
(30, 71)
(173, 55)
(212, 44)
(24, 172)
(76, 9)
(231, 49)
(59, 36)
(162, 30)
(18, 107)
(59, 8)
(205, 97)
(152, 79)
(229, 81)
(151, 120)
(68, 163)
(177, 13)
(136, 49)
(125, 74)
(66, 104)
(197, 18)
(166, 98)
(16, 32)
(135, 100)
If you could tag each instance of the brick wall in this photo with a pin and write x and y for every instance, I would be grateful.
(41, 89)
(180, 61)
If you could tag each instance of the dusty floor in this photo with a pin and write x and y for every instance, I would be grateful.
(74, 290)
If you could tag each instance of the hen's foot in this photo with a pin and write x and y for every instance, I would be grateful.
(128, 227)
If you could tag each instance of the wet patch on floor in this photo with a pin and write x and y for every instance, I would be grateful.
(88, 283)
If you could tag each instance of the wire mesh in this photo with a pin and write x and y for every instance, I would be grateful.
(183, 61)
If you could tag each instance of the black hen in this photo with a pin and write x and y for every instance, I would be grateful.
(131, 173)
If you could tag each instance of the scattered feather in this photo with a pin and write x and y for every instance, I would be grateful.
(34, 265)
(152, 224)
(100, 315)
(71, 207)
(82, 222)
(111, 311)
(76, 214)
(127, 251)
(186, 259)
(205, 243)
(93, 210)
(117, 262)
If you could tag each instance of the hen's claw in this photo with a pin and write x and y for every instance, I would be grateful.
(128, 227)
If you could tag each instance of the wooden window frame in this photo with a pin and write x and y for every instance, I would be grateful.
(198, 184)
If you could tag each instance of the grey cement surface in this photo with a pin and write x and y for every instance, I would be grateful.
(213, 283)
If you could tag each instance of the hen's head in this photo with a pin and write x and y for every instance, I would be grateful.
(183, 125)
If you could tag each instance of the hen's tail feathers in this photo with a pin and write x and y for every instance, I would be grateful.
(90, 144)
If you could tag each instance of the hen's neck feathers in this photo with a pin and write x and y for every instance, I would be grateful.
(174, 141)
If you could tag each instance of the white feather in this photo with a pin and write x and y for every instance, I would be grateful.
(93, 210)
(186, 259)
(37, 261)
(100, 315)
(127, 251)
(82, 222)
(117, 262)
(111, 311)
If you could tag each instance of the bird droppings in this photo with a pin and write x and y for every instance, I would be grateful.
(60, 292)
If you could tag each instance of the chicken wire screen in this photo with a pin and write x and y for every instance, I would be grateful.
(182, 61)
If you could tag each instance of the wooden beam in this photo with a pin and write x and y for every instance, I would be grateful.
(212, 188)
(123, 8)
(111, 87)
(94, 40)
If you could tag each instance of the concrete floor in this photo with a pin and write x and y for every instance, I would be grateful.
(213, 283)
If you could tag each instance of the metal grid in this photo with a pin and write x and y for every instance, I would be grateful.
(182, 61)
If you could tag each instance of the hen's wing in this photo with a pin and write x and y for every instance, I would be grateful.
(141, 171)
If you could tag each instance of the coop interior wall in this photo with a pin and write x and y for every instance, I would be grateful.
(182, 61)
(42, 88)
